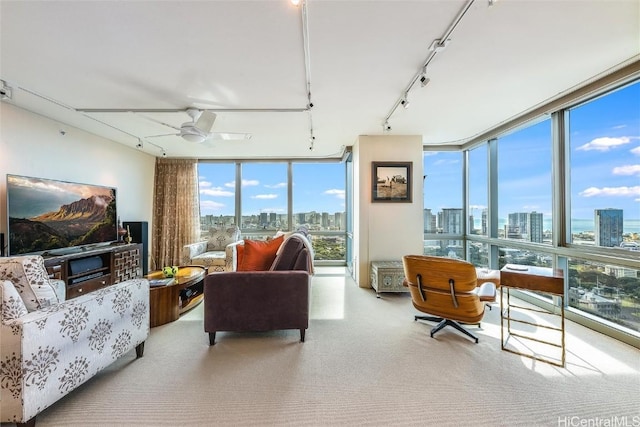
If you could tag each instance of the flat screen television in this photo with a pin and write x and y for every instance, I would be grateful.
(47, 215)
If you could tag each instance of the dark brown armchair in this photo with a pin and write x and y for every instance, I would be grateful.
(447, 290)
(251, 301)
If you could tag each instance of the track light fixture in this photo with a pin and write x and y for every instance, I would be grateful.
(424, 80)
(295, 2)
(437, 46)
(405, 100)
(164, 153)
(139, 145)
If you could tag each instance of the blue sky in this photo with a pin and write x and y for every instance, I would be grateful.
(605, 164)
(316, 187)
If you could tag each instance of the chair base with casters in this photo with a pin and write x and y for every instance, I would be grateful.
(445, 322)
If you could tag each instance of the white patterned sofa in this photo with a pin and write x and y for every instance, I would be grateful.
(212, 253)
(50, 347)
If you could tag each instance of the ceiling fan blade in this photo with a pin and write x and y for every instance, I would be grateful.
(163, 134)
(158, 121)
(205, 121)
(229, 136)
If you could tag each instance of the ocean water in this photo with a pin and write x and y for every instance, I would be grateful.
(579, 225)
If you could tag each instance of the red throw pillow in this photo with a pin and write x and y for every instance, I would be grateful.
(259, 255)
(239, 255)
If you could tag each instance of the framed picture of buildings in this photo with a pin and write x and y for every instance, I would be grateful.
(391, 182)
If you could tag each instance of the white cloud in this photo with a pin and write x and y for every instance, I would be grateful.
(605, 143)
(250, 182)
(611, 191)
(216, 192)
(335, 192)
(231, 184)
(627, 170)
(636, 151)
(204, 184)
(265, 196)
(210, 205)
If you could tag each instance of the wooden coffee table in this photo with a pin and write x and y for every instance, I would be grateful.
(165, 304)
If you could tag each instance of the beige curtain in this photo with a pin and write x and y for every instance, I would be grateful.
(176, 210)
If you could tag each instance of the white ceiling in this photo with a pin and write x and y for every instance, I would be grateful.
(63, 56)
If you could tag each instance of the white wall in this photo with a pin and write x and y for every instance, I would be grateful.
(32, 145)
(385, 231)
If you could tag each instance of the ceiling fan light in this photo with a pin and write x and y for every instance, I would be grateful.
(192, 137)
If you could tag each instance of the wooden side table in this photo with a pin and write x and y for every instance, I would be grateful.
(165, 304)
(539, 279)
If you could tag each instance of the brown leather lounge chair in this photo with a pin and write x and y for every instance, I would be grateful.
(447, 290)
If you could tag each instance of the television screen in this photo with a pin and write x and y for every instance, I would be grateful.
(46, 214)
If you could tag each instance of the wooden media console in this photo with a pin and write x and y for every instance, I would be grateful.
(85, 270)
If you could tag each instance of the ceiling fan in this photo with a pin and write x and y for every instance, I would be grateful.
(199, 128)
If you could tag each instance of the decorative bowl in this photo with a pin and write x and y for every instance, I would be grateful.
(170, 271)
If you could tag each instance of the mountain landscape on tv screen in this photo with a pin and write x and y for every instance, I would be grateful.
(84, 221)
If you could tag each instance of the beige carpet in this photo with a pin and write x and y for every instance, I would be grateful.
(365, 362)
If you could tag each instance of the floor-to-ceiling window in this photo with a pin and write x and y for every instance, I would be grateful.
(319, 205)
(604, 151)
(564, 191)
(478, 204)
(264, 198)
(604, 137)
(443, 219)
(267, 197)
(217, 190)
(525, 185)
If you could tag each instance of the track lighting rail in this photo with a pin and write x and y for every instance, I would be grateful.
(437, 46)
(181, 110)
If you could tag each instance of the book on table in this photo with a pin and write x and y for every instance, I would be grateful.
(155, 283)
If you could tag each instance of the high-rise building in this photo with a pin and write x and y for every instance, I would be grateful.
(536, 227)
(339, 220)
(518, 225)
(484, 222)
(325, 220)
(525, 226)
(608, 224)
(428, 220)
(451, 221)
(264, 219)
(301, 218)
